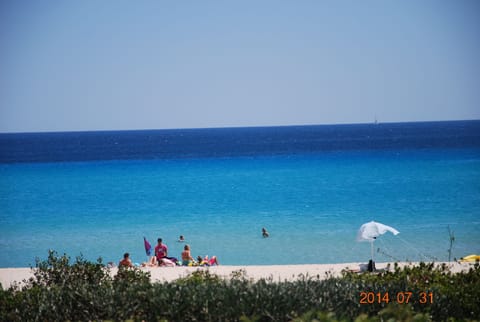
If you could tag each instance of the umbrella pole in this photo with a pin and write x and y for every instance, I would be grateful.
(371, 264)
(371, 247)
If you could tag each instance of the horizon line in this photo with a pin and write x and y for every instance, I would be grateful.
(375, 122)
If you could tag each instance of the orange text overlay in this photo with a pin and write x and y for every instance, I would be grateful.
(399, 297)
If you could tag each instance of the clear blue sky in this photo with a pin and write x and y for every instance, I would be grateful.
(101, 65)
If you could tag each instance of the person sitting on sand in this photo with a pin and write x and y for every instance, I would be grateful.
(166, 262)
(151, 263)
(125, 262)
(161, 252)
(187, 259)
(206, 261)
(265, 233)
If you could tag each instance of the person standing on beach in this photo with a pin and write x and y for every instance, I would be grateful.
(161, 250)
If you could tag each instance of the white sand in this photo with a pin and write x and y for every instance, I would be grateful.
(276, 272)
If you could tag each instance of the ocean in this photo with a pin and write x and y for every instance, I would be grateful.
(97, 194)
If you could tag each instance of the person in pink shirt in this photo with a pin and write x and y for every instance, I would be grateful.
(161, 250)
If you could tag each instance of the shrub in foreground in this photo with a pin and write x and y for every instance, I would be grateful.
(85, 291)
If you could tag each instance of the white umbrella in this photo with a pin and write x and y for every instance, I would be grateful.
(371, 230)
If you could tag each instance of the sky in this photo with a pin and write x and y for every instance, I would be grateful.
(118, 65)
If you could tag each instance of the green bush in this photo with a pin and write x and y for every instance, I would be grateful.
(453, 295)
(84, 291)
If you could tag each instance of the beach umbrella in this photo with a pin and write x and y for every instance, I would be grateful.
(148, 247)
(371, 230)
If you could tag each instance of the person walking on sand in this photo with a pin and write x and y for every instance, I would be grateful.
(125, 262)
(161, 250)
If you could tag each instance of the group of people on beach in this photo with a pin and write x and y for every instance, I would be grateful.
(161, 258)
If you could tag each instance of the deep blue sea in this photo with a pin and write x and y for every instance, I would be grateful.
(312, 187)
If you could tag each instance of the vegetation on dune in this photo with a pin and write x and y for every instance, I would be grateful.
(85, 291)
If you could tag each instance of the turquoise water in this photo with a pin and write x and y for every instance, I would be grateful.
(311, 204)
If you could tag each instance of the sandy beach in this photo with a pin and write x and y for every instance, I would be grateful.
(276, 272)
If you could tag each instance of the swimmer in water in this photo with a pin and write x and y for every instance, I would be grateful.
(265, 233)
